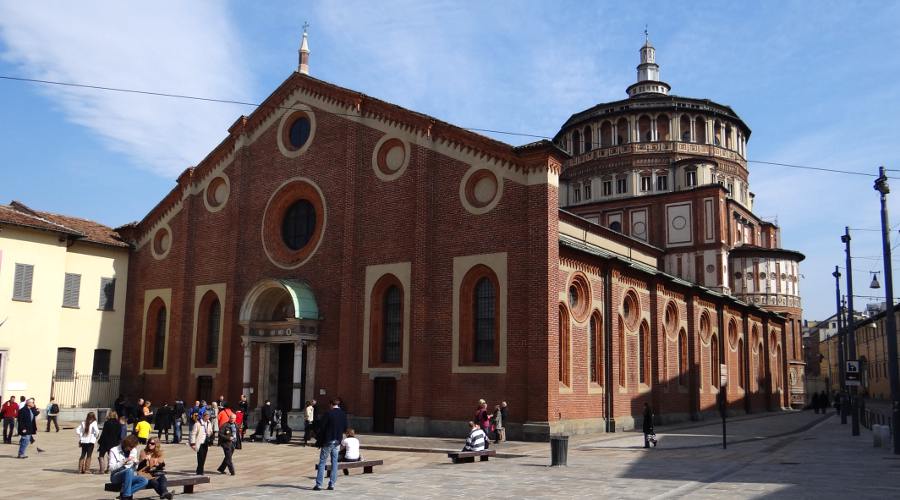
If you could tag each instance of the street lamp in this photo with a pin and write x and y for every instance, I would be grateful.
(881, 185)
(840, 343)
(875, 285)
(851, 334)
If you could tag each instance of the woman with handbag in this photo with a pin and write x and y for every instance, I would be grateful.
(88, 432)
(152, 467)
(201, 438)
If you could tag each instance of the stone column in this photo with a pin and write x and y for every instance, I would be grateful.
(615, 134)
(693, 127)
(245, 380)
(311, 370)
(296, 397)
(654, 132)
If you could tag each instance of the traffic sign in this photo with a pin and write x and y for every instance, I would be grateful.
(851, 373)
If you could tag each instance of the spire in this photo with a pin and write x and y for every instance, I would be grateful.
(304, 53)
(648, 81)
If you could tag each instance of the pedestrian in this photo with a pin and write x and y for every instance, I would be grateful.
(497, 423)
(22, 402)
(227, 437)
(201, 439)
(194, 410)
(243, 410)
(110, 437)
(330, 434)
(309, 413)
(152, 466)
(477, 439)
(142, 430)
(27, 424)
(503, 417)
(823, 402)
(177, 420)
(483, 419)
(163, 421)
(266, 415)
(9, 411)
(221, 401)
(815, 402)
(649, 435)
(123, 461)
(87, 432)
(52, 414)
(350, 448)
(119, 405)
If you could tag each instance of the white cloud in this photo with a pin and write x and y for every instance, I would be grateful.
(173, 47)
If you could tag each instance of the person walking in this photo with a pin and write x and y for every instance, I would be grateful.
(163, 421)
(27, 423)
(309, 413)
(649, 435)
(123, 461)
(177, 420)
(52, 414)
(330, 433)
(227, 437)
(87, 432)
(110, 437)
(497, 422)
(243, 410)
(142, 430)
(9, 411)
(483, 419)
(201, 438)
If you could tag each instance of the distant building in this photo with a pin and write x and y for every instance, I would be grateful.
(62, 307)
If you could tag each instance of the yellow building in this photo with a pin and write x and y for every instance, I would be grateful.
(62, 308)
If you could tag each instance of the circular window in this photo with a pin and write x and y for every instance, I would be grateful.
(162, 242)
(783, 276)
(298, 224)
(679, 222)
(579, 297)
(671, 318)
(710, 268)
(480, 190)
(216, 194)
(704, 326)
(631, 310)
(296, 131)
(737, 276)
(762, 276)
(293, 223)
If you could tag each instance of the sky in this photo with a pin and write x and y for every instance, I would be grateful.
(817, 82)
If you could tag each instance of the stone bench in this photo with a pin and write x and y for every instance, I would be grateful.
(367, 466)
(469, 456)
(173, 481)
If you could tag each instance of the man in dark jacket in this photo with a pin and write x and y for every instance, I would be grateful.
(649, 435)
(266, 417)
(177, 414)
(27, 421)
(330, 433)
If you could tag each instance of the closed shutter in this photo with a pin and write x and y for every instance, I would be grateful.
(65, 362)
(107, 293)
(71, 290)
(22, 282)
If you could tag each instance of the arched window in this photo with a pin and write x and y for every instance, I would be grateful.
(392, 325)
(622, 347)
(644, 131)
(606, 135)
(479, 299)
(485, 314)
(386, 322)
(682, 358)
(662, 128)
(761, 369)
(622, 135)
(214, 320)
(595, 349)
(588, 139)
(714, 361)
(685, 125)
(643, 354)
(564, 354)
(616, 226)
(576, 142)
(155, 334)
(741, 365)
(700, 130)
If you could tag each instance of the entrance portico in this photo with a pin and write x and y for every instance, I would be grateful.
(280, 316)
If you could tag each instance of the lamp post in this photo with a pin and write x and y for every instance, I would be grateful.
(840, 344)
(881, 185)
(851, 334)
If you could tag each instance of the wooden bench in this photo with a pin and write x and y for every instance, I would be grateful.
(173, 481)
(367, 466)
(469, 456)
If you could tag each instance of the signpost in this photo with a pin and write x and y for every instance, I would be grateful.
(852, 374)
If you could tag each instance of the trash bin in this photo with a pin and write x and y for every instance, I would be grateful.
(559, 449)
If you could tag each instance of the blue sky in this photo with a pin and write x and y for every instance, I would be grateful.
(817, 82)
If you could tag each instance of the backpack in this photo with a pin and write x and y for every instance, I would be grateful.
(54, 408)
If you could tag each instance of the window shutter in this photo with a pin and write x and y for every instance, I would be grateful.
(71, 290)
(65, 362)
(107, 293)
(22, 283)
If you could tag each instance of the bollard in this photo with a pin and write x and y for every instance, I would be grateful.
(559, 449)
(886, 437)
(876, 436)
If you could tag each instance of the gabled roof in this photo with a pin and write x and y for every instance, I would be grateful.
(19, 214)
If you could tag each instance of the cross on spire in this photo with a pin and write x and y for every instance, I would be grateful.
(646, 34)
(306, 26)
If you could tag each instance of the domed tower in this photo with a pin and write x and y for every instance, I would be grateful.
(672, 171)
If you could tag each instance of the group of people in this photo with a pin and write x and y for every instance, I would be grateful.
(20, 418)
(820, 402)
(336, 439)
(485, 426)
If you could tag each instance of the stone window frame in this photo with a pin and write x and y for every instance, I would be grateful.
(151, 297)
(376, 321)
(462, 265)
(402, 271)
(595, 344)
(565, 349)
(199, 340)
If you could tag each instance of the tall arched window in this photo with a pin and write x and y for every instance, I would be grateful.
(761, 369)
(392, 325)
(622, 135)
(741, 365)
(479, 322)
(576, 142)
(606, 134)
(564, 354)
(155, 335)
(622, 347)
(588, 139)
(643, 354)
(714, 361)
(485, 314)
(595, 350)
(214, 320)
(682, 358)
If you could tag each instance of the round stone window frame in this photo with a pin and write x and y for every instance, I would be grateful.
(210, 190)
(284, 130)
(671, 320)
(382, 147)
(704, 327)
(156, 249)
(733, 334)
(467, 189)
(632, 317)
(582, 307)
(289, 192)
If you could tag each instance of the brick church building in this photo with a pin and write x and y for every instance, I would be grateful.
(337, 245)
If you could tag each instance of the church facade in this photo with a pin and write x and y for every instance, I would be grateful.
(335, 245)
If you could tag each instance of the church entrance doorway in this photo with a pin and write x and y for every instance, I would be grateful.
(385, 402)
(285, 388)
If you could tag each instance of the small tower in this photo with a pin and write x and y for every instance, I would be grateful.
(648, 81)
(303, 67)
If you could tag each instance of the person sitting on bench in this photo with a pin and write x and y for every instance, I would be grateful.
(476, 439)
(123, 460)
(349, 448)
(152, 466)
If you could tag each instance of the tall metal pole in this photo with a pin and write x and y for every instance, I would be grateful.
(851, 335)
(881, 185)
(840, 344)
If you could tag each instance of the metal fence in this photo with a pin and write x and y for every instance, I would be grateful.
(80, 391)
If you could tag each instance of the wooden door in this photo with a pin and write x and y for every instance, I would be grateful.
(385, 405)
